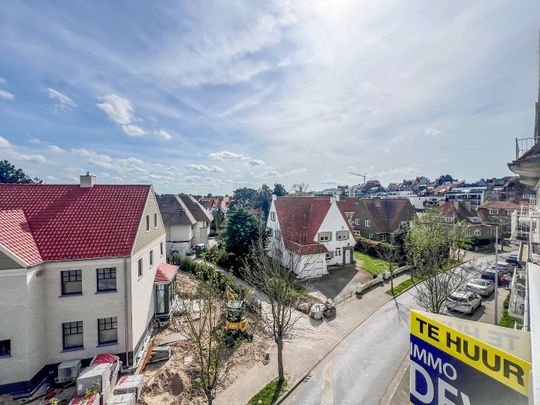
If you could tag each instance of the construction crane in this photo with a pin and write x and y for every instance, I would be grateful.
(359, 175)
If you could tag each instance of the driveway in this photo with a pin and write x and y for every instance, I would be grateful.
(341, 282)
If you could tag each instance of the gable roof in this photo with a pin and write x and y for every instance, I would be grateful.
(458, 210)
(385, 214)
(300, 218)
(16, 237)
(174, 211)
(69, 222)
(197, 210)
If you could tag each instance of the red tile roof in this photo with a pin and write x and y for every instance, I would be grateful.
(71, 222)
(299, 220)
(16, 237)
(506, 205)
(165, 273)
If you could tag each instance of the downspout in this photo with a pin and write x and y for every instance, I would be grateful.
(126, 313)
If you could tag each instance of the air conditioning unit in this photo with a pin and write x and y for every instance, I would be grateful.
(68, 371)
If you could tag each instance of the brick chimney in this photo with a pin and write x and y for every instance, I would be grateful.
(88, 180)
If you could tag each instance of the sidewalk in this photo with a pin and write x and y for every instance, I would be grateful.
(311, 341)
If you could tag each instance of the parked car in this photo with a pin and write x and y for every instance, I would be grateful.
(465, 302)
(490, 275)
(513, 261)
(505, 267)
(481, 287)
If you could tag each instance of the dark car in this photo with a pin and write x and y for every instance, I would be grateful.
(490, 275)
(513, 260)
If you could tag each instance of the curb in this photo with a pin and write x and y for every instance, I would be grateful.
(396, 381)
(331, 349)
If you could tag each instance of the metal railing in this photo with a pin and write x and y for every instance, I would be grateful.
(523, 145)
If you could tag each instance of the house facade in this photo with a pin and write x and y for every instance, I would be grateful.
(378, 219)
(78, 267)
(310, 235)
(501, 212)
(187, 222)
(458, 211)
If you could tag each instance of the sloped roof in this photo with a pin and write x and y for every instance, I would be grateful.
(165, 273)
(386, 214)
(16, 237)
(174, 211)
(197, 210)
(300, 218)
(457, 209)
(505, 205)
(72, 222)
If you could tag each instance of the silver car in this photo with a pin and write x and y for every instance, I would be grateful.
(463, 301)
(480, 286)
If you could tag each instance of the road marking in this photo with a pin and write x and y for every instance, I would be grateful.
(327, 388)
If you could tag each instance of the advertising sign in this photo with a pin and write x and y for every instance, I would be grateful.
(467, 363)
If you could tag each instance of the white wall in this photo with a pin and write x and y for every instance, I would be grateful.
(201, 232)
(179, 233)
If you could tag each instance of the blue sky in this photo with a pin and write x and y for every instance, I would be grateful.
(202, 97)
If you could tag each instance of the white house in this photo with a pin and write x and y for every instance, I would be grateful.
(82, 272)
(310, 234)
(187, 222)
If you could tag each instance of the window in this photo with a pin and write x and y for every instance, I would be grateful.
(107, 330)
(477, 232)
(338, 251)
(72, 335)
(161, 248)
(371, 235)
(139, 267)
(5, 348)
(366, 223)
(151, 258)
(277, 235)
(106, 279)
(342, 235)
(325, 236)
(356, 221)
(71, 282)
(148, 222)
(493, 211)
(270, 231)
(383, 237)
(155, 220)
(272, 216)
(328, 255)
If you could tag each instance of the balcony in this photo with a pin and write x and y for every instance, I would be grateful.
(523, 145)
(527, 162)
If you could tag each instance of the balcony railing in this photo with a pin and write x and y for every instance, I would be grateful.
(523, 145)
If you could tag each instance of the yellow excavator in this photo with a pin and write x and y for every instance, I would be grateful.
(236, 324)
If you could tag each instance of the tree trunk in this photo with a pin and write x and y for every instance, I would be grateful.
(392, 283)
(281, 373)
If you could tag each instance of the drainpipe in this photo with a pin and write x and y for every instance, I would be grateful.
(126, 313)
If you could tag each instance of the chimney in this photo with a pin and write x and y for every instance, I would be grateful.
(88, 180)
(274, 197)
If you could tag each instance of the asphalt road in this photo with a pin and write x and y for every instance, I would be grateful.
(361, 368)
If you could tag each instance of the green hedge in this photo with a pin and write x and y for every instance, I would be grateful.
(207, 273)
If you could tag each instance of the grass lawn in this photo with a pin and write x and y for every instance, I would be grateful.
(506, 320)
(269, 394)
(403, 286)
(371, 264)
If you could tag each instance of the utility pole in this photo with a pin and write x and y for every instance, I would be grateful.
(496, 275)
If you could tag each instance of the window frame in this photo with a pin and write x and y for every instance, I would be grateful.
(327, 237)
(337, 252)
(106, 324)
(71, 327)
(343, 232)
(78, 274)
(272, 216)
(367, 223)
(140, 267)
(147, 223)
(104, 272)
(151, 257)
(5, 348)
(155, 221)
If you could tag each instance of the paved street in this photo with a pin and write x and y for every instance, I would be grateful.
(361, 368)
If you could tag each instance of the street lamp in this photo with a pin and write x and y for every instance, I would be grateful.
(495, 221)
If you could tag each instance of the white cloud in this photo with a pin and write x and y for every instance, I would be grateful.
(63, 102)
(36, 141)
(226, 155)
(118, 109)
(6, 95)
(164, 135)
(432, 132)
(204, 168)
(4, 143)
(255, 162)
(55, 149)
(133, 130)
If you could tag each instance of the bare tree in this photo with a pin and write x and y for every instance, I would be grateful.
(278, 286)
(201, 320)
(433, 249)
(300, 189)
(391, 255)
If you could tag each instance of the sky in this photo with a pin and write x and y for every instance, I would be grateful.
(205, 97)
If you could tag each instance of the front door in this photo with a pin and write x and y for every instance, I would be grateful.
(347, 256)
